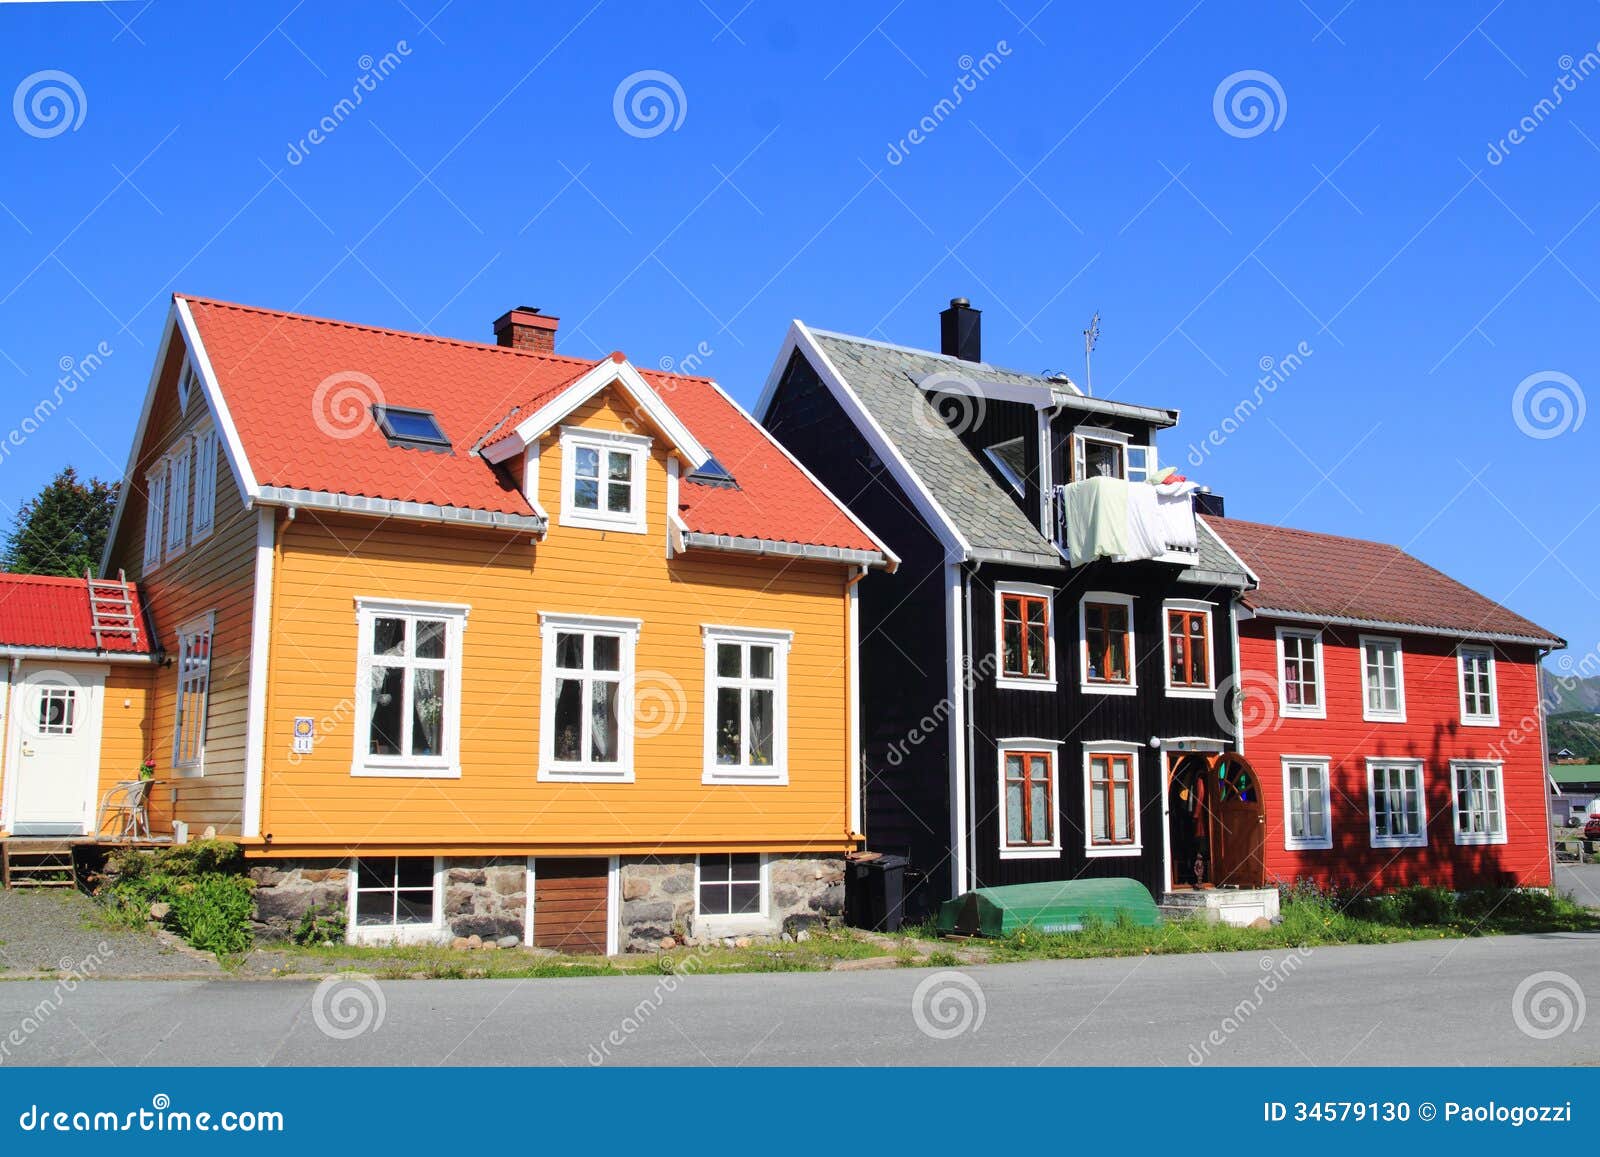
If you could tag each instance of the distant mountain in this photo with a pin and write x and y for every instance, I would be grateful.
(1563, 693)
(1578, 732)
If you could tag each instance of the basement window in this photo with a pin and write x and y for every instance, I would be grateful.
(411, 429)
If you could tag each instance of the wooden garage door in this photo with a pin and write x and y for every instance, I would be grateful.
(569, 904)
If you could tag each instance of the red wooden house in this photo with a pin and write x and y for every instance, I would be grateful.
(1392, 715)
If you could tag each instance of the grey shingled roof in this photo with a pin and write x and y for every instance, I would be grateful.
(885, 379)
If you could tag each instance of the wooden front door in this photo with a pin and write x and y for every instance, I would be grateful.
(571, 904)
(1239, 828)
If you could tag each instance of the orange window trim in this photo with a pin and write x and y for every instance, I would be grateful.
(1112, 764)
(1191, 648)
(1028, 759)
(1099, 634)
(1014, 609)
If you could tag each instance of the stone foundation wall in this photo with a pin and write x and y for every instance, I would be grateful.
(288, 889)
(487, 898)
(658, 900)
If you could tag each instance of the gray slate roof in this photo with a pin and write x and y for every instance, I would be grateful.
(886, 378)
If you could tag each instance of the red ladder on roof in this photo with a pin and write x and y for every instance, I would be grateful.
(111, 608)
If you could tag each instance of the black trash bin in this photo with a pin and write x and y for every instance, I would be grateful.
(875, 893)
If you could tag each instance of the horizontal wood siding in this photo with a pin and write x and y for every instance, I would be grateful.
(1432, 733)
(327, 563)
(218, 575)
(571, 899)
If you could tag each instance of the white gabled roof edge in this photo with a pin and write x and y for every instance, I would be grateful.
(586, 387)
(877, 438)
(180, 317)
(892, 558)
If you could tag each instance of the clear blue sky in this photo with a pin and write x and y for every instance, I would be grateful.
(1086, 169)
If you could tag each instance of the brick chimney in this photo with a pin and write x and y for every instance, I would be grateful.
(960, 331)
(525, 328)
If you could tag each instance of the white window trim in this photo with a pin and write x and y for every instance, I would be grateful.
(1020, 682)
(1131, 687)
(395, 933)
(745, 923)
(1285, 710)
(201, 624)
(1015, 480)
(1420, 840)
(179, 462)
(586, 771)
(1368, 713)
(188, 380)
(204, 486)
(155, 517)
(1469, 720)
(1323, 843)
(637, 446)
(1209, 691)
(780, 642)
(1030, 746)
(1475, 839)
(445, 766)
(1080, 457)
(1111, 747)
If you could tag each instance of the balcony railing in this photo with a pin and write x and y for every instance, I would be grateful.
(1125, 521)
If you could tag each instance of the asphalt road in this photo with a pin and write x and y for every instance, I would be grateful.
(1443, 1002)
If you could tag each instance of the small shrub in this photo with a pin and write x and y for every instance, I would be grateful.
(202, 885)
(320, 925)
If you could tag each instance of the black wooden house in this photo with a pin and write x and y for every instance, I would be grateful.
(1022, 719)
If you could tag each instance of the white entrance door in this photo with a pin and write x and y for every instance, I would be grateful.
(54, 749)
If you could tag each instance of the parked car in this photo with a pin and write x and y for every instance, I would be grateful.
(1591, 832)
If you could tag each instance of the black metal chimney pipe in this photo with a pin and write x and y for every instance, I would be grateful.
(960, 331)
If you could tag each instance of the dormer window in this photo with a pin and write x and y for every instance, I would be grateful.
(603, 480)
(411, 429)
(1110, 454)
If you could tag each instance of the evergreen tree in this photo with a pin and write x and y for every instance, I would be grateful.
(62, 530)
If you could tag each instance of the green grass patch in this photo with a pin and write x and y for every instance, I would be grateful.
(203, 889)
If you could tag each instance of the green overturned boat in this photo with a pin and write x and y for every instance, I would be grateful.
(1060, 906)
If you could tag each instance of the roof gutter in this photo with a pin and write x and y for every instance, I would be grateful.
(1411, 628)
(398, 508)
(984, 554)
(796, 550)
(1151, 414)
(72, 654)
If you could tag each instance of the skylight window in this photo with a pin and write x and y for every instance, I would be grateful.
(714, 473)
(1011, 459)
(414, 429)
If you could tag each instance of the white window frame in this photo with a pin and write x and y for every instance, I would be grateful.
(188, 383)
(1382, 715)
(1090, 848)
(178, 464)
(192, 679)
(637, 447)
(1131, 687)
(585, 770)
(446, 765)
(205, 485)
(397, 933)
(1376, 764)
(711, 635)
(734, 924)
(1080, 457)
(155, 517)
(1045, 682)
(1025, 745)
(1324, 766)
(1286, 710)
(1469, 719)
(1457, 768)
(1193, 606)
(1013, 479)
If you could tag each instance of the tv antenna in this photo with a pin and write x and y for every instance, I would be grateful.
(1090, 337)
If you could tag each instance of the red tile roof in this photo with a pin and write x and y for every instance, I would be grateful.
(299, 390)
(1332, 577)
(47, 611)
